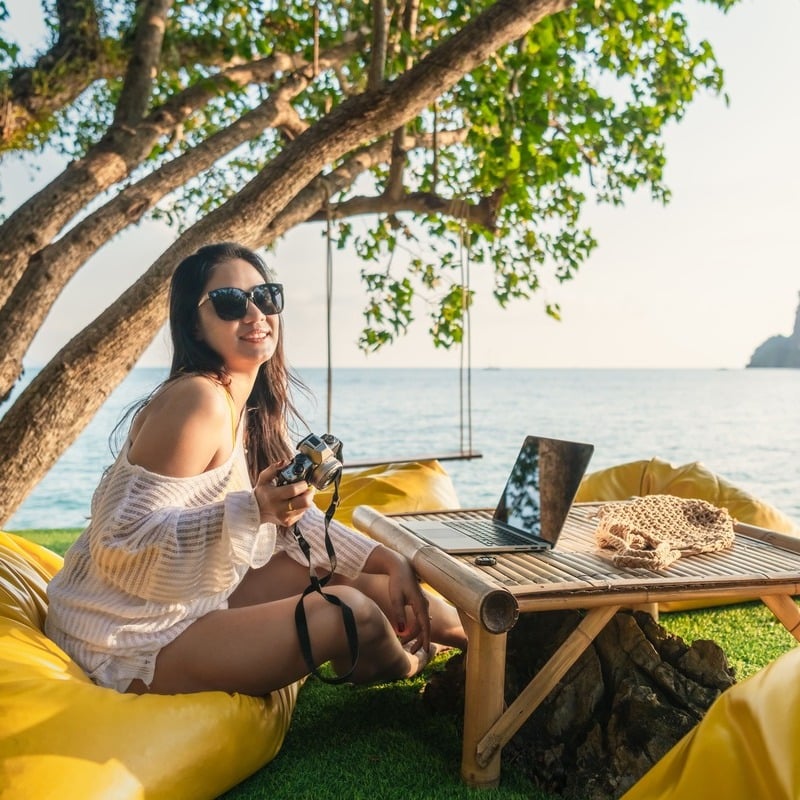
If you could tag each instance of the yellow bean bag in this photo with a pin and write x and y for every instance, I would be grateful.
(61, 736)
(747, 747)
(393, 488)
(694, 480)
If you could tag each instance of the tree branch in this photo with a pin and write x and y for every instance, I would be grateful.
(138, 85)
(37, 221)
(64, 70)
(394, 182)
(79, 58)
(378, 53)
(483, 213)
(310, 205)
(589, 157)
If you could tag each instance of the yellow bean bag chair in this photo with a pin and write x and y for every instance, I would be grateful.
(393, 488)
(747, 747)
(61, 736)
(639, 478)
(694, 480)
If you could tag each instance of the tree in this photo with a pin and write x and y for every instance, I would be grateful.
(492, 121)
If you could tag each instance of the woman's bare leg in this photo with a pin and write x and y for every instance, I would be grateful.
(279, 578)
(446, 627)
(282, 576)
(254, 649)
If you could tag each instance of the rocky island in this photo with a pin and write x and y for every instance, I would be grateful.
(779, 351)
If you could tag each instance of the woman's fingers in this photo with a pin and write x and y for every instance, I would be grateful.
(412, 616)
(282, 504)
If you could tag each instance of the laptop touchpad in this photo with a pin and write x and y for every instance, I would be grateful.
(439, 534)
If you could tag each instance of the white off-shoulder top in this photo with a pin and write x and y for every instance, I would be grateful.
(160, 552)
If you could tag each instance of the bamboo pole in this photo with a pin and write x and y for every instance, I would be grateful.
(483, 702)
(491, 605)
(773, 538)
(786, 610)
(559, 600)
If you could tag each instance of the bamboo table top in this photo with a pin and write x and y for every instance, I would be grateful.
(576, 574)
(577, 565)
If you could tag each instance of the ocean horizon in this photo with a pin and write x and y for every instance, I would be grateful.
(742, 424)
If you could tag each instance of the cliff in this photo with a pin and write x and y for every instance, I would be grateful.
(779, 351)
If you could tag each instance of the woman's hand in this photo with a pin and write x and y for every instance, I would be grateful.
(281, 505)
(410, 616)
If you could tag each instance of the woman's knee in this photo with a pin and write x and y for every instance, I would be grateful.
(369, 619)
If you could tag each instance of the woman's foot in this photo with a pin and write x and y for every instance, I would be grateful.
(425, 656)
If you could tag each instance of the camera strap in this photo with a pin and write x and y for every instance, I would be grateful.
(316, 585)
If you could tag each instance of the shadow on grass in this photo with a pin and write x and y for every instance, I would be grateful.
(377, 743)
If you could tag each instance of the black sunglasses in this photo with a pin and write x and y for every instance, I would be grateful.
(231, 303)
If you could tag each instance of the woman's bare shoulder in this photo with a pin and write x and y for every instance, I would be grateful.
(183, 427)
(196, 390)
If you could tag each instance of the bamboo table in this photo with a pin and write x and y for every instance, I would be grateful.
(575, 575)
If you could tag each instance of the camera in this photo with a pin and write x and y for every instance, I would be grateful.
(317, 461)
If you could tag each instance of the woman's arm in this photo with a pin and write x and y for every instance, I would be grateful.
(352, 548)
(405, 593)
(173, 553)
(161, 529)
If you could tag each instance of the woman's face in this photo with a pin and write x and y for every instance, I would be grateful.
(243, 344)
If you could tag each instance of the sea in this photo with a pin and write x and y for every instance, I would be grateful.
(742, 424)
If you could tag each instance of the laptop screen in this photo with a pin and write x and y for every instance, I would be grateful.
(542, 485)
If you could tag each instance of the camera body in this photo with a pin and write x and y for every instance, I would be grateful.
(318, 462)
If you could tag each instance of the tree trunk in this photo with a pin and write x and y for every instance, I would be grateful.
(632, 695)
(53, 410)
(67, 393)
(50, 269)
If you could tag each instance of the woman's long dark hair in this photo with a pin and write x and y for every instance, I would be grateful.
(269, 406)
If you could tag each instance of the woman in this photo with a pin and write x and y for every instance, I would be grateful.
(187, 576)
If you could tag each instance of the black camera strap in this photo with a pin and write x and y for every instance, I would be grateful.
(316, 585)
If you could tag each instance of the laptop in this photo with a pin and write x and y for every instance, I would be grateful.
(532, 508)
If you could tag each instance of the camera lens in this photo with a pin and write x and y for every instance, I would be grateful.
(325, 473)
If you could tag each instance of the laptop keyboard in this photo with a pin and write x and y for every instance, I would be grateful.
(487, 532)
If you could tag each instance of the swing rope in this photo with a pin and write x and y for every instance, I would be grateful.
(465, 353)
(466, 346)
(328, 316)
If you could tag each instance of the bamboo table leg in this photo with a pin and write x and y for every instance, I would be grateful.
(542, 683)
(483, 701)
(786, 610)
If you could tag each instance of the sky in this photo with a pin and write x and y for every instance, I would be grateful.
(699, 283)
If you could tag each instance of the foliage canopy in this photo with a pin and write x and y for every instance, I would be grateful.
(486, 123)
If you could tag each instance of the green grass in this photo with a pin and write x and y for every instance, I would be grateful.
(375, 743)
(56, 540)
(382, 742)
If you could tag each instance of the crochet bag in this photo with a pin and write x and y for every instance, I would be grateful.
(655, 530)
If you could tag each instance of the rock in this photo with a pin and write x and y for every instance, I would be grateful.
(779, 351)
(632, 695)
